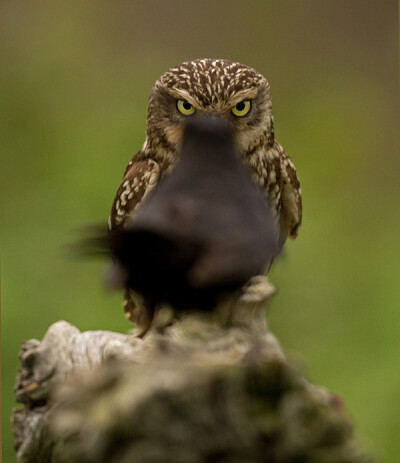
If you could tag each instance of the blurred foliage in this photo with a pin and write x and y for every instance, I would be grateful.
(74, 83)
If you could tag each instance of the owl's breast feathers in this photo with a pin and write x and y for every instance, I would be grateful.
(272, 169)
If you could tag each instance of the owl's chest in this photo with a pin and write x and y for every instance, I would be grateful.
(265, 170)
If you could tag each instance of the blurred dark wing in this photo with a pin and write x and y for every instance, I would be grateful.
(92, 241)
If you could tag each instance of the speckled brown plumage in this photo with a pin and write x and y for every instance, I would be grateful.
(211, 86)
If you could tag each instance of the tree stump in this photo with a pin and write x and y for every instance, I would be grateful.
(192, 392)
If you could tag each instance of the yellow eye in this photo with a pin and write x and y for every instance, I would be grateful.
(185, 108)
(242, 108)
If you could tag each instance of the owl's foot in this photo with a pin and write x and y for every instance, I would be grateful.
(137, 313)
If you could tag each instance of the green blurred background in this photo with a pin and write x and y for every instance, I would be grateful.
(74, 82)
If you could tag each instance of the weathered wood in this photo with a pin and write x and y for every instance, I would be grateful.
(194, 392)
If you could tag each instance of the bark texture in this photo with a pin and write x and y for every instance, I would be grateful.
(194, 392)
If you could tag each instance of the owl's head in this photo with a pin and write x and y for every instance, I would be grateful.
(234, 91)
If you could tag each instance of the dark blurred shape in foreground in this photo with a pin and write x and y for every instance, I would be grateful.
(203, 233)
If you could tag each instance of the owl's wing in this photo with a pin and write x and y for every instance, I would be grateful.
(141, 176)
(291, 204)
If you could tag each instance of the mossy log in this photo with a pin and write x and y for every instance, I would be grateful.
(194, 392)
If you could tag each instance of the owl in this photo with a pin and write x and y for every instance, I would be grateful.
(241, 96)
